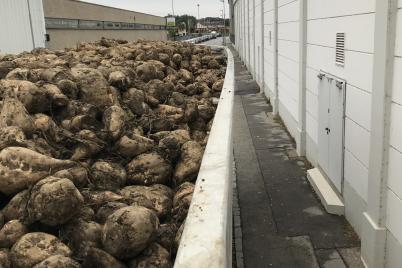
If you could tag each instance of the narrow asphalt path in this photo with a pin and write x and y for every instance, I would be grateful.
(283, 224)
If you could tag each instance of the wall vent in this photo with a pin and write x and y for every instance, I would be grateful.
(340, 49)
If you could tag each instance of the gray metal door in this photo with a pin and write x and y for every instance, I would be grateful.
(331, 128)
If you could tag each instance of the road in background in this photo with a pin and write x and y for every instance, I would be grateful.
(215, 42)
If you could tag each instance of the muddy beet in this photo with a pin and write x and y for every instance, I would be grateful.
(100, 148)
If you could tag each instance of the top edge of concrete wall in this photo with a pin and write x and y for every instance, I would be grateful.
(207, 236)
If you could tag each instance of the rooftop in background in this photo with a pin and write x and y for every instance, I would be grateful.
(208, 8)
(74, 9)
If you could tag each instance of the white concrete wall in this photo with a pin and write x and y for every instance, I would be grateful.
(207, 236)
(394, 189)
(22, 25)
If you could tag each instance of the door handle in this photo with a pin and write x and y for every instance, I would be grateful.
(339, 84)
(327, 130)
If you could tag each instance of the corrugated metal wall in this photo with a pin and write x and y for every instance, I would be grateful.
(22, 25)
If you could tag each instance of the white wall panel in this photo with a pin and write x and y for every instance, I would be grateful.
(358, 37)
(286, 98)
(357, 70)
(312, 104)
(395, 171)
(288, 61)
(394, 215)
(312, 81)
(289, 85)
(356, 174)
(251, 29)
(331, 8)
(357, 141)
(269, 75)
(289, 31)
(268, 17)
(268, 5)
(37, 18)
(394, 182)
(393, 252)
(259, 61)
(289, 68)
(269, 46)
(360, 113)
(398, 41)
(290, 50)
(397, 83)
(268, 28)
(285, 2)
(288, 12)
(396, 126)
(312, 127)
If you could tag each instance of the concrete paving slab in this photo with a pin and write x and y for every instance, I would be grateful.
(351, 257)
(245, 87)
(329, 258)
(297, 212)
(255, 211)
(298, 253)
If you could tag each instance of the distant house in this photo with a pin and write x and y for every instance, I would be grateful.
(182, 29)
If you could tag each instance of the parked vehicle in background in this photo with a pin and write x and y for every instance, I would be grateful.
(200, 39)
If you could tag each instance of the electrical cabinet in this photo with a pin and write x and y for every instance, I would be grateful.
(331, 125)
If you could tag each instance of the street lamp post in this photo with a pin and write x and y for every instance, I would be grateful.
(224, 22)
(198, 6)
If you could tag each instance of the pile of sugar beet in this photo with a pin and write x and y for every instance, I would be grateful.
(100, 146)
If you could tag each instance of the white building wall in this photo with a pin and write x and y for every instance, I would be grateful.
(394, 182)
(325, 18)
(22, 25)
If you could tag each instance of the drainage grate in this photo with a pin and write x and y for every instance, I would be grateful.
(340, 49)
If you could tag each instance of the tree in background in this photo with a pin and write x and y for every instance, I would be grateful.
(214, 21)
(189, 21)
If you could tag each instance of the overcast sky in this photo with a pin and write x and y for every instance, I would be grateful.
(208, 8)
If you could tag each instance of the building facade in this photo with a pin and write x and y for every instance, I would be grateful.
(331, 71)
(22, 25)
(69, 22)
(56, 24)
